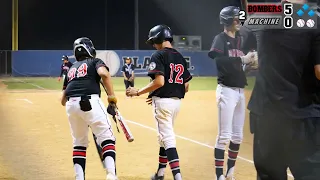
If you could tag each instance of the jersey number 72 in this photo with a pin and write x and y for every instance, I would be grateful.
(81, 71)
(179, 69)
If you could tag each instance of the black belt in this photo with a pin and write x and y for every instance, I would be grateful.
(82, 97)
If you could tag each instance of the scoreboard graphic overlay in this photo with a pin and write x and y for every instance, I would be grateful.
(280, 16)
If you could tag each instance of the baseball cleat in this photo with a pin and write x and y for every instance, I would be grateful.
(111, 177)
(156, 177)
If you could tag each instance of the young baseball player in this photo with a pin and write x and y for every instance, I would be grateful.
(65, 66)
(128, 73)
(170, 77)
(81, 96)
(231, 65)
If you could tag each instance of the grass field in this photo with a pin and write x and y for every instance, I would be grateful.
(197, 83)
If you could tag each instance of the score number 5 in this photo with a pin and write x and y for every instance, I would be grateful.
(287, 11)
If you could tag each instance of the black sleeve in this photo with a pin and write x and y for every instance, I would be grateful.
(100, 63)
(217, 47)
(133, 67)
(123, 68)
(61, 72)
(65, 82)
(156, 65)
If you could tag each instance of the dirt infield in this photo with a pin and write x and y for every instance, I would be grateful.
(36, 143)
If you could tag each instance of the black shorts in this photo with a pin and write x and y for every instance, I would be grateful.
(281, 142)
(129, 83)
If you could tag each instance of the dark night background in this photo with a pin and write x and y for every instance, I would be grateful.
(55, 24)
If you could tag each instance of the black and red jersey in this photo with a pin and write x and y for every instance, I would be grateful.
(172, 65)
(82, 78)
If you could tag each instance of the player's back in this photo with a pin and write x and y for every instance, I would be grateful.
(286, 63)
(83, 78)
(175, 72)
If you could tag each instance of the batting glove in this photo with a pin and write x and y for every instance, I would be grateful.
(112, 100)
(250, 57)
(111, 110)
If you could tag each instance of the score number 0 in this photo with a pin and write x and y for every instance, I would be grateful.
(288, 11)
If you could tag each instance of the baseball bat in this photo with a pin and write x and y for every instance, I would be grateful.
(244, 5)
(99, 149)
(118, 118)
(123, 125)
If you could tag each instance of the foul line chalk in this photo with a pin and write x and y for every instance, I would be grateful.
(191, 140)
(26, 100)
(31, 84)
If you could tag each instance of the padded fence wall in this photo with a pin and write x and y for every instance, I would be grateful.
(47, 63)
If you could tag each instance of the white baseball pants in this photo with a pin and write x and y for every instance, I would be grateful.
(165, 111)
(97, 119)
(231, 115)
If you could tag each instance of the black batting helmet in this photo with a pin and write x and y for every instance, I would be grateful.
(83, 48)
(64, 57)
(227, 14)
(158, 34)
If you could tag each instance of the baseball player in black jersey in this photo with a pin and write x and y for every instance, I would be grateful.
(128, 73)
(285, 105)
(65, 66)
(227, 51)
(170, 77)
(81, 96)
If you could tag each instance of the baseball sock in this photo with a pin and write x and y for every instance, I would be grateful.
(219, 160)
(163, 160)
(109, 155)
(232, 157)
(79, 161)
(173, 158)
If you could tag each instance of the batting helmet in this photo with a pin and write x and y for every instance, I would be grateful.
(227, 15)
(64, 57)
(158, 34)
(83, 48)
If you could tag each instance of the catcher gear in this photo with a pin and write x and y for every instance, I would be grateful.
(64, 57)
(158, 34)
(83, 48)
(227, 15)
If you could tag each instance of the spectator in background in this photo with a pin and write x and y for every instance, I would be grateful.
(128, 73)
(64, 67)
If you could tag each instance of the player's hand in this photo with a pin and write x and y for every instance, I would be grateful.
(254, 64)
(149, 101)
(126, 79)
(112, 100)
(250, 57)
(59, 79)
(131, 91)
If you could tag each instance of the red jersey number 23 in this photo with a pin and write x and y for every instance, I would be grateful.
(179, 69)
(81, 71)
